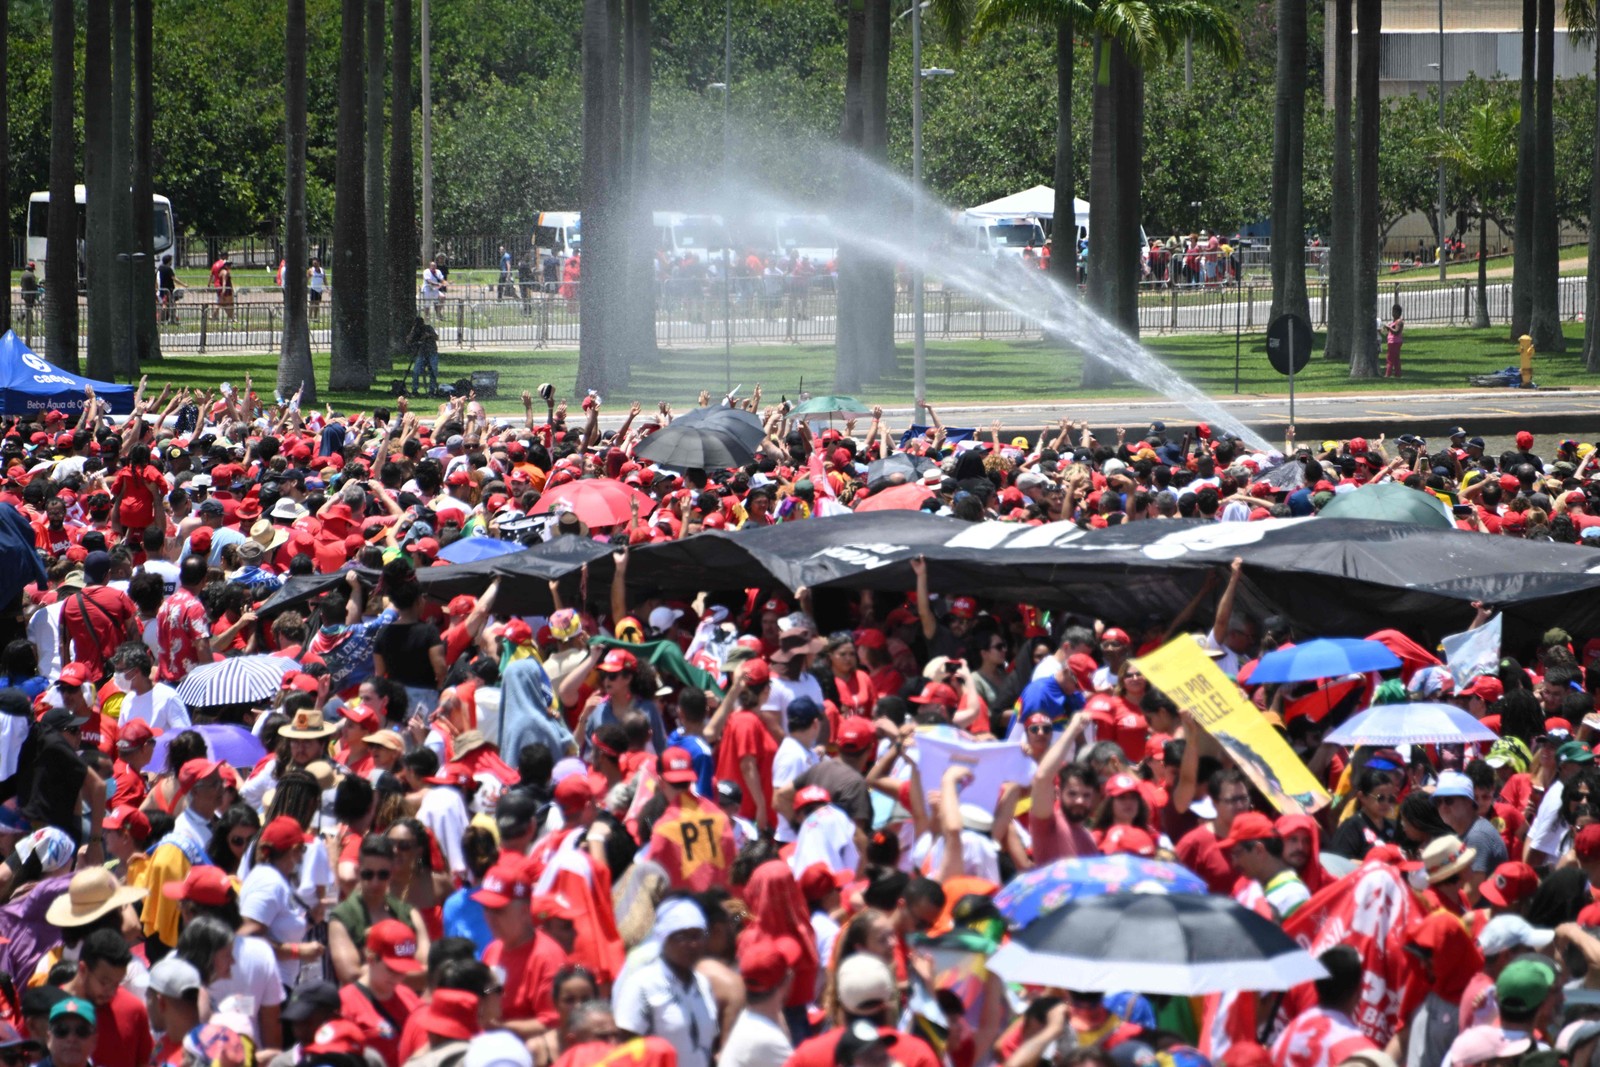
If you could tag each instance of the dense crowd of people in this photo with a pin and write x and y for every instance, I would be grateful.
(629, 828)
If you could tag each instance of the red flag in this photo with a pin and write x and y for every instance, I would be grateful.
(1368, 909)
(587, 886)
(693, 842)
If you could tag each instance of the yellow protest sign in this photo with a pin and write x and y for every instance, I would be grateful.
(1183, 671)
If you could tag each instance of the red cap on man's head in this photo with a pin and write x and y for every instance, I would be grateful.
(195, 771)
(964, 607)
(1117, 635)
(1587, 843)
(136, 733)
(573, 792)
(818, 880)
(756, 673)
(460, 605)
(1524, 440)
(1486, 686)
(502, 884)
(765, 963)
(856, 733)
(677, 767)
(1509, 885)
(395, 943)
(1251, 826)
(937, 693)
(1129, 839)
(338, 1037)
(130, 819)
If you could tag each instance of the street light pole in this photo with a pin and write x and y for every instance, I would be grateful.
(727, 190)
(1441, 130)
(427, 135)
(919, 340)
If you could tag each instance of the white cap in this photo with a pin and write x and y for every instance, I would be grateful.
(173, 977)
(1505, 932)
(497, 1048)
(662, 618)
(1453, 784)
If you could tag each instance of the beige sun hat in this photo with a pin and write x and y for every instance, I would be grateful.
(93, 892)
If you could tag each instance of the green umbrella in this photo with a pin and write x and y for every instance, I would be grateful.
(1391, 502)
(829, 406)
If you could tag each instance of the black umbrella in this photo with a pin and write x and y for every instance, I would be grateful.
(1177, 944)
(742, 425)
(897, 469)
(703, 443)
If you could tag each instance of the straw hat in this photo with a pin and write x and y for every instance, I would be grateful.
(1446, 857)
(308, 725)
(268, 536)
(91, 893)
(469, 741)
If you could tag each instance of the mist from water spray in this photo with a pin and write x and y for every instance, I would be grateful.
(1031, 294)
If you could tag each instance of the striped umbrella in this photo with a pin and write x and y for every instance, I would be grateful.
(236, 680)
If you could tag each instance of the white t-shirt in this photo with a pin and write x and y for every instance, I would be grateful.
(44, 630)
(755, 1041)
(828, 836)
(268, 899)
(254, 975)
(444, 813)
(785, 692)
(826, 932)
(167, 571)
(980, 856)
(160, 707)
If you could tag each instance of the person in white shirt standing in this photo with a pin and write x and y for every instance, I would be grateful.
(797, 753)
(759, 1037)
(147, 701)
(667, 997)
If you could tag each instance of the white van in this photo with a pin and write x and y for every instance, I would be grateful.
(1001, 237)
(559, 231)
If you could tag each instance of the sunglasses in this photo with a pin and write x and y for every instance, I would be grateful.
(382, 876)
(82, 1031)
(239, 842)
(1041, 729)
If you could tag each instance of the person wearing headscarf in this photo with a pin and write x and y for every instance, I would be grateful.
(779, 911)
(528, 712)
(667, 997)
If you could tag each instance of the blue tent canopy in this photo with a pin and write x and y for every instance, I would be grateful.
(31, 385)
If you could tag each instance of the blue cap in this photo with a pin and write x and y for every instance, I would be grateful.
(1453, 784)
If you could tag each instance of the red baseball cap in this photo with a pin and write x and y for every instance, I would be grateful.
(765, 963)
(573, 792)
(1486, 686)
(363, 715)
(337, 1037)
(75, 674)
(134, 734)
(555, 906)
(937, 693)
(856, 733)
(281, 834)
(502, 884)
(1121, 785)
(812, 794)
(195, 771)
(1509, 885)
(208, 885)
(818, 880)
(757, 673)
(1251, 826)
(619, 659)
(395, 943)
(460, 605)
(130, 819)
(1116, 634)
(1587, 843)
(458, 774)
(1129, 839)
(677, 767)
(871, 639)
(964, 607)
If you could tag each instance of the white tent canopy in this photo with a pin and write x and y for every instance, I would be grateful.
(1038, 202)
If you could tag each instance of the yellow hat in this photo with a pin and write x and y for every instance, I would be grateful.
(1019, 442)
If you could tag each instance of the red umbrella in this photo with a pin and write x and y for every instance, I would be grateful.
(907, 497)
(596, 501)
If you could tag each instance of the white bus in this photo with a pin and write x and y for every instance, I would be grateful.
(38, 225)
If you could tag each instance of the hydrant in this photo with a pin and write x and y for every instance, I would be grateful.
(1525, 351)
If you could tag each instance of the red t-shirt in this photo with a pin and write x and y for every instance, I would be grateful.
(137, 508)
(130, 788)
(746, 735)
(55, 542)
(1198, 851)
(123, 1028)
(96, 619)
(456, 641)
(909, 1050)
(530, 976)
(381, 1021)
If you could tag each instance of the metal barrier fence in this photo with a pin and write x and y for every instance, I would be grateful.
(696, 317)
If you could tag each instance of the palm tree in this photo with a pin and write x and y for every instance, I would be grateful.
(601, 229)
(61, 224)
(1583, 20)
(403, 250)
(1341, 293)
(1288, 165)
(1368, 238)
(147, 336)
(1064, 17)
(123, 348)
(377, 243)
(294, 360)
(1522, 218)
(1544, 326)
(1483, 155)
(100, 186)
(638, 339)
(349, 360)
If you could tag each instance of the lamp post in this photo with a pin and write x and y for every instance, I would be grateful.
(919, 340)
(132, 259)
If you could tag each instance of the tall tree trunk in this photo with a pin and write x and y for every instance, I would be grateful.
(1545, 324)
(1480, 316)
(1339, 303)
(601, 231)
(61, 223)
(377, 243)
(294, 358)
(640, 308)
(403, 249)
(101, 184)
(848, 373)
(1522, 240)
(1101, 201)
(1114, 190)
(349, 364)
(5, 150)
(124, 350)
(1288, 165)
(1591, 318)
(1364, 337)
(1064, 229)
(147, 337)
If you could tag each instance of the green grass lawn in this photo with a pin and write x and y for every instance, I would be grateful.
(985, 372)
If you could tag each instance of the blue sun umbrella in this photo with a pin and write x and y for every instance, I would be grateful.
(1044, 889)
(1328, 657)
(473, 549)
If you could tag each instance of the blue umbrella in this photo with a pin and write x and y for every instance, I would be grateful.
(473, 549)
(1411, 724)
(233, 745)
(1044, 889)
(1326, 657)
